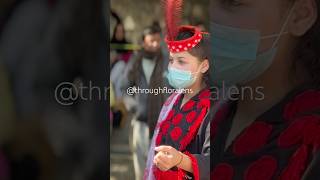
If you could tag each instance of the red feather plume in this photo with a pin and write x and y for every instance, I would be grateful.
(173, 11)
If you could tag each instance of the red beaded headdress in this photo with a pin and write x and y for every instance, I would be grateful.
(173, 9)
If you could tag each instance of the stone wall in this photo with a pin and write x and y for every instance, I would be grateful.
(138, 14)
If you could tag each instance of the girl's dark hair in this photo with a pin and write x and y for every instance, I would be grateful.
(201, 50)
(307, 51)
(114, 39)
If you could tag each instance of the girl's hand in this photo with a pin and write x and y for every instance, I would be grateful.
(167, 157)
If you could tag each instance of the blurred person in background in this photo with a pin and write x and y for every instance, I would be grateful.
(155, 102)
(119, 57)
(119, 40)
(145, 71)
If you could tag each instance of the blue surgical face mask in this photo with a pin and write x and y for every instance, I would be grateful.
(235, 53)
(180, 79)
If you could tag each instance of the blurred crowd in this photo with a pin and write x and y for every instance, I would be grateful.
(42, 44)
(142, 66)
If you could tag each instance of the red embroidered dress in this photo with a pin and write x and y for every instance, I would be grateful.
(282, 143)
(187, 129)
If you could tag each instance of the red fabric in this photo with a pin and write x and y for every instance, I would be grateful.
(317, 141)
(311, 130)
(189, 105)
(159, 138)
(186, 44)
(173, 11)
(296, 165)
(170, 114)
(193, 129)
(195, 166)
(195, 120)
(305, 102)
(300, 129)
(203, 103)
(177, 119)
(253, 138)
(166, 175)
(205, 94)
(220, 115)
(176, 133)
(191, 116)
(223, 171)
(264, 168)
(165, 127)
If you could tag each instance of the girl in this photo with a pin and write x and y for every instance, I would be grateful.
(182, 133)
(180, 146)
(272, 46)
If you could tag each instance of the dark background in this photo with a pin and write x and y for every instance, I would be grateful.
(42, 44)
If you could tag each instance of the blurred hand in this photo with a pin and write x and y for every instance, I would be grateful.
(167, 157)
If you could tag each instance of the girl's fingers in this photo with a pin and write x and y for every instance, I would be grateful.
(161, 164)
(164, 148)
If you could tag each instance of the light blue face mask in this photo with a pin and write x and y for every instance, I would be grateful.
(180, 79)
(234, 52)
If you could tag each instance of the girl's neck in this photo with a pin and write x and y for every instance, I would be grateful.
(193, 90)
(272, 91)
(274, 84)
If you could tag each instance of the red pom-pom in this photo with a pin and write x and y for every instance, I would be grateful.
(311, 131)
(295, 133)
(191, 116)
(204, 103)
(189, 105)
(264, 168)
(176, 133)
(296, 165)
(304, 102)
(177, 119)
(165, 127)
(252, 139)
(193, 130)
(223, 171)
(205, 94)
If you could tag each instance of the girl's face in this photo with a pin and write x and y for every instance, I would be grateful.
(270, 17)
(266, 16)
(120, 32)
(187, 62)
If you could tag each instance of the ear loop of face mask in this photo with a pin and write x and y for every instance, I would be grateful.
(194, 74)
(282, 29)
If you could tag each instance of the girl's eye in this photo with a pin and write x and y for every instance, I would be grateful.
(181, 62)
(170, 60)
(231, 3)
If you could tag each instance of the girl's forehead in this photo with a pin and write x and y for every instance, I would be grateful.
(186, 56)
(180, 54)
